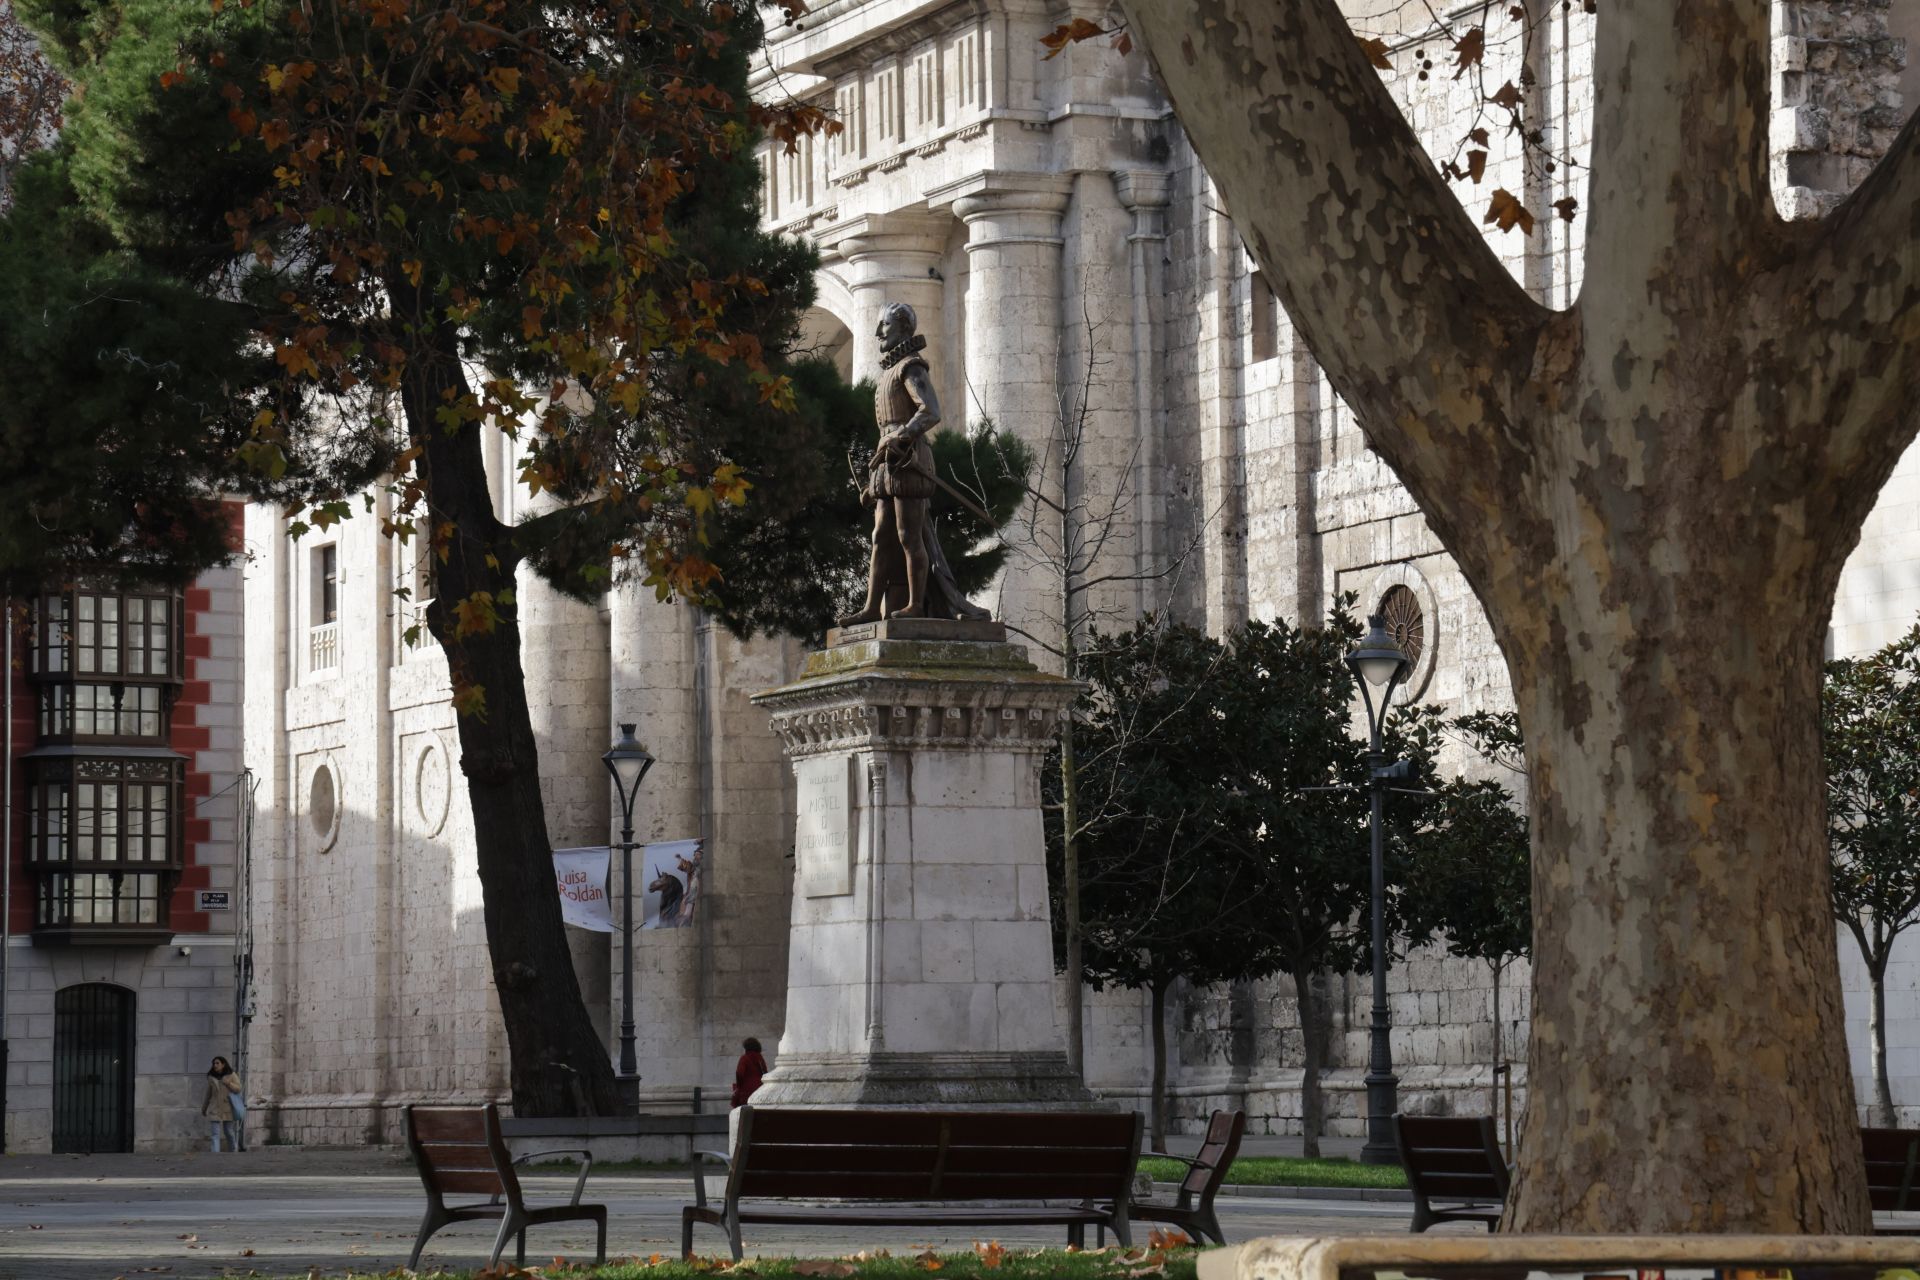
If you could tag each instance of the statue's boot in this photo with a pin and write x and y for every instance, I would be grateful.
(869, 614)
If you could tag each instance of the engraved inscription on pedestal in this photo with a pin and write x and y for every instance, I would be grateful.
(823, 837)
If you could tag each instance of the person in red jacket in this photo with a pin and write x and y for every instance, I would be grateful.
(748, 1071)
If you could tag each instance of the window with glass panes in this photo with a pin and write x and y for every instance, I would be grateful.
(105, 797)
(103, 837)
(103, 711)
(91, 633)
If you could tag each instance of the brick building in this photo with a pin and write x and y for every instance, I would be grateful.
(126, 810)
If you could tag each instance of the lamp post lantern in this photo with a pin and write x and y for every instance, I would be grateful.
(1379, 666)
(628, 762)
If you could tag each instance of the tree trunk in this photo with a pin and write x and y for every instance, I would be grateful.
(1157, 1114)
(1684, 999)
(1652, 495)
(1313, 1055)
(1882, 1086)
(1070, 896)
(1493, 1077)
(559, 1067)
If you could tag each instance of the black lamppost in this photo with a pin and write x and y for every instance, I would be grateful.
(628, 762)
(1379, 665)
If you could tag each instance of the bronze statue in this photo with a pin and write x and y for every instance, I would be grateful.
(908, 576)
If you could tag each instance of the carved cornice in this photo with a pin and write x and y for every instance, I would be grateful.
(918, 712)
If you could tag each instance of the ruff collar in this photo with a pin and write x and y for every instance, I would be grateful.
(899, 351)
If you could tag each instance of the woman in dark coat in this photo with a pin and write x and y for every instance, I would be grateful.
(748, 1071)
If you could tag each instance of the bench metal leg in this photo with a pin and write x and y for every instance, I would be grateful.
(733, 1235)
(509, 1224)
(520, 1248)
(1120, 1227)
(686, 1236)
(432, 1223)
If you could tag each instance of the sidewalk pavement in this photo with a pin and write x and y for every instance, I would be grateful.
(290, 1211)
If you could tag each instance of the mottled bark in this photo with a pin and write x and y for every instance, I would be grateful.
(558, 1065)
(1313, 1055)
(1652, 494)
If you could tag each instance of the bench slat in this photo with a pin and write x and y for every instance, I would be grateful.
(1439, 1163)
(824, 1185)
(784, 1158)
(838, 1128)
(482, 1181)
(1108, 1163)
(450, 1124)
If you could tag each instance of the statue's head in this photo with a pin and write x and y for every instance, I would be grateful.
(897, 324)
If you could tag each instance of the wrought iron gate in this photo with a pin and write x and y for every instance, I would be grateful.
(93, 1068)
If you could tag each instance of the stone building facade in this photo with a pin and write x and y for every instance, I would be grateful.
(128, 810)
(1075, 275)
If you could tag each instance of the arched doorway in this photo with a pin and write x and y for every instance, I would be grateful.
(93, 1068)
(822, 334)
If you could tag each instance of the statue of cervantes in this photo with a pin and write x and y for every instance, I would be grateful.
(908, 576)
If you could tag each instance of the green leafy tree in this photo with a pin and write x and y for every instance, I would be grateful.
(1469, 866)
(1161, 896)
(338, 244)
(1871, 712)
(1223, 816)
(1298, 811)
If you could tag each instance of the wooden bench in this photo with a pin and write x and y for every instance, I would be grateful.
(1192, 1210)
(921, 1168)
(1454, 1159)
(459, 1151)
(1892, 1156)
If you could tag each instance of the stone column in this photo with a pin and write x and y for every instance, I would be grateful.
(563, 652)
(655, 681)
(921, 963)
(1014, 250)
(896, 258)
(1144, 193)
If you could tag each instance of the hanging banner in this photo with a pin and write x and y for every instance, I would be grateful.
(670, 872)
(581, 875)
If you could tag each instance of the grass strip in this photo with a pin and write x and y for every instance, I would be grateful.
(1288, 1171)
(988, 1262)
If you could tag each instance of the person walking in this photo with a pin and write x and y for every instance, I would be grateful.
(748, 1072)
(225, 1106)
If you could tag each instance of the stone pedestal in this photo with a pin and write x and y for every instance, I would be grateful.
(921, 968)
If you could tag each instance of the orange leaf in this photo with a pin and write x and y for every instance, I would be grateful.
(168, 79)
(1476, 165)
(1069, 32)
(1506, 211)
(1123, 43)
(1565, 208)
(1506, 96)
(1469, 51)
(1376, 51)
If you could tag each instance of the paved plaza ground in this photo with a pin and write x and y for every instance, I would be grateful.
(281, 1211)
